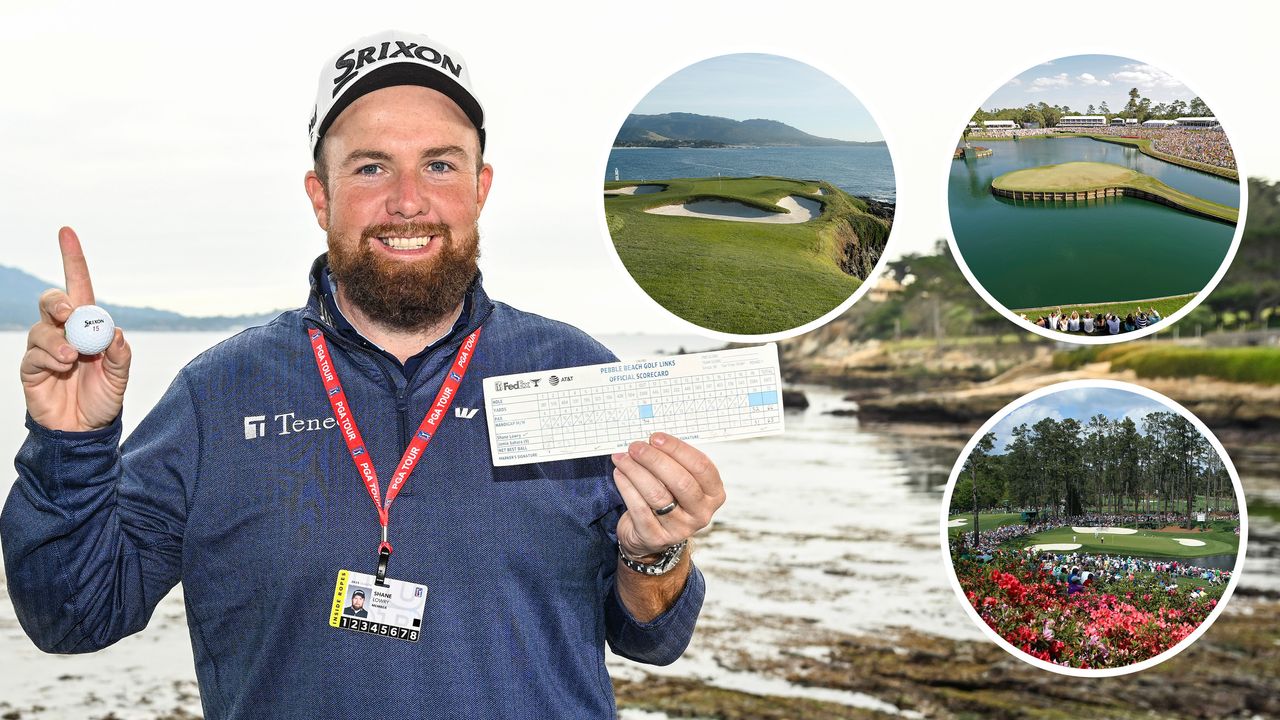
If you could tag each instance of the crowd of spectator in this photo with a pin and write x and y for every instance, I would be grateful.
(989, 540)
(1203, 145)
(1078, 570)
(1014, 132)
(1083, 569)
(1087, 323)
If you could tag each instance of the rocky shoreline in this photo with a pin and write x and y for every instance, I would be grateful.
(965, 385)
(1230, 672)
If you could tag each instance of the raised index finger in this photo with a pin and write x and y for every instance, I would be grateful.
(74, 268)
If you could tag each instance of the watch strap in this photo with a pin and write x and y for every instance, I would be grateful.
(663, 565)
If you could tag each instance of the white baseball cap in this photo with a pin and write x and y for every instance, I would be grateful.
(388, 59)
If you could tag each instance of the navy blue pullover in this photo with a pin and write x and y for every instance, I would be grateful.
(233, 485)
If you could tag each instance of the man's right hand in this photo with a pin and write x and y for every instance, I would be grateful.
(65, 390)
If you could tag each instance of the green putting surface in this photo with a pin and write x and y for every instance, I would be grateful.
(1145, 543)
(1086, 177)
(1069, 177)
(744, 277)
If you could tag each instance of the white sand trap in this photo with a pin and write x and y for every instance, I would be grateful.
(1054, 546)
(1189, 542)
(1106, 530)
(957, 522)
(636, 190)
(819, 191)
(799, 209)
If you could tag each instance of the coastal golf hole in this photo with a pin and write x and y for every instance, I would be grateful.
(1105, 528)
(1094, 199)
(750, 195)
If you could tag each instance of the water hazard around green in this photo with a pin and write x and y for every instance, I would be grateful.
(1120, 249)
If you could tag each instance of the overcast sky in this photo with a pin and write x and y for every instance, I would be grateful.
(743, 86)
(175, 141)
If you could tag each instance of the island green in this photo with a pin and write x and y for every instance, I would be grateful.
(1083, 181)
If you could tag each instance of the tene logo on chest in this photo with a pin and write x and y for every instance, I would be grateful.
(255, 426)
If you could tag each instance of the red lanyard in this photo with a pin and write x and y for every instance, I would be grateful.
(412, 454)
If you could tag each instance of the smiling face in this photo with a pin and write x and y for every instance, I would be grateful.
(402, 191)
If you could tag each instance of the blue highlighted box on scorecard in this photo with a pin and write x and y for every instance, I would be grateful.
(600, 409)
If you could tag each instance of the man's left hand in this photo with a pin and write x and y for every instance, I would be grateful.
(653, 475)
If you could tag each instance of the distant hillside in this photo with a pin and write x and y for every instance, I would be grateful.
(19, 292)
(690, 130)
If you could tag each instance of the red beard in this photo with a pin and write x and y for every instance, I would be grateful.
(407, 296)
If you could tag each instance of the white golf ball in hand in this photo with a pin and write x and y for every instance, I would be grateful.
(90, 329)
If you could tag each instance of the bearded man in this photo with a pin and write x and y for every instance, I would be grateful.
(494, 590)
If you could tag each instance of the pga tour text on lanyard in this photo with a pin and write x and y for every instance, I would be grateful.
(412, 454)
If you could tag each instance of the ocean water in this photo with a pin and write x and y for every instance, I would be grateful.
(858, 170)
(811, 516)
(1037, 254)
(830, 527)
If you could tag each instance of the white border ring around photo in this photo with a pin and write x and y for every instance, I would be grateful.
(995, 637)
(1164, 324)
(663, 71)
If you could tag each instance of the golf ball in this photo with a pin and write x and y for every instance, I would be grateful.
(90, 329)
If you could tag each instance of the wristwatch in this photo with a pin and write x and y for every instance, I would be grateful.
(663, 565)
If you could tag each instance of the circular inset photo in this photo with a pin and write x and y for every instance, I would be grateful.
(750, 195)
(1094, 199)
(1094, 528)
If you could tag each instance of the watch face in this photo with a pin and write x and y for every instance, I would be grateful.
(665, 562)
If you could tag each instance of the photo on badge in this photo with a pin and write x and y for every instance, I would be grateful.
(392, 608)
(356, 600)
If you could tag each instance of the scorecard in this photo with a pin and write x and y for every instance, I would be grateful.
(600, 409)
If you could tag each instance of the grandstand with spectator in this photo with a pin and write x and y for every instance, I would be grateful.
(1077, 121)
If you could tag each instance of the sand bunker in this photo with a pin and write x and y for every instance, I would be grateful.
(1054, 546)
(1189, 542)
(636, 190)
(1106, 530)
(799, 209)
(957, 522)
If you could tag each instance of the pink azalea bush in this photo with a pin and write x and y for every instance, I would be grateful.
(1102, 626)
